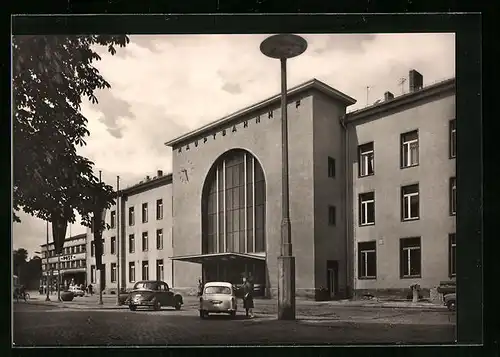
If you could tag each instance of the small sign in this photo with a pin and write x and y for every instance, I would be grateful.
(68, 257)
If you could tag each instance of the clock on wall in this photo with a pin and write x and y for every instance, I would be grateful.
(186, 171)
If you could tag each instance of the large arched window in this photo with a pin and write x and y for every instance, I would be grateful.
(234, 205)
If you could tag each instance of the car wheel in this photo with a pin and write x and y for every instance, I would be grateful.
(132, 308)
(451, 305)
(177, 305)
(157, 305)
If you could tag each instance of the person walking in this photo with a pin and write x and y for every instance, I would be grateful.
(200, 287)
(248, 297)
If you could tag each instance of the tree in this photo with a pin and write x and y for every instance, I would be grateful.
(19, 258)
(51, 77)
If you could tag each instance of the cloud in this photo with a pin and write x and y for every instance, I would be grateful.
(164, 86)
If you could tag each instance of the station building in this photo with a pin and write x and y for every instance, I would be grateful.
(72, 263)
(372, 196)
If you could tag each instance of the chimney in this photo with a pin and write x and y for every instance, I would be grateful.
(148, 178)
(416, 81)
(159, 173)
(388, 96)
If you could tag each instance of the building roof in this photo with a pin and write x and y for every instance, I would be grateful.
(408, 98)
(69, 239)
(146, 185)
(311, 84)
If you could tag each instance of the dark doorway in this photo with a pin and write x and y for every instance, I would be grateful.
(332, 278)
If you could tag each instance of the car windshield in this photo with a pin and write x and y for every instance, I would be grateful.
(145, 285)
(217, 290)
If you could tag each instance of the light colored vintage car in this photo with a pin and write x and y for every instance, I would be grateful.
(218, 297)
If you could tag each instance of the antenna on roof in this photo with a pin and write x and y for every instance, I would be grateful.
(401, 83)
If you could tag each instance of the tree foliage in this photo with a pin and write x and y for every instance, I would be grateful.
(51, 77)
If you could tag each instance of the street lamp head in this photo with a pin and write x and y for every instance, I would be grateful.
(283, 46)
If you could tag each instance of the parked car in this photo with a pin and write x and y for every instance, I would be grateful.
(77, 291)
(153, 294)
(450, 300)
(218, 297)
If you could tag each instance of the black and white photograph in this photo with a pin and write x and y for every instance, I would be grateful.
(230, 189)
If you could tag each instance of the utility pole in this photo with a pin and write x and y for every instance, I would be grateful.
(100, 268)
(118, 240)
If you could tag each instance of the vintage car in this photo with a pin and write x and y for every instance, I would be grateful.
(76, 290)
(218, 297)
(450, 300)
(152, 294)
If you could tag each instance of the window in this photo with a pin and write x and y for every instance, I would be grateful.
(367, 208)
(113, 272)
(145, 270)
(77, 249)
(367, 260)
(410, 258)
(103, 245)
(409, 202)
(159, 209)
(453, 196)
(452, 270)
(131, 272)
(331, 167)
(331, 215)
(92, 248)
(366, 160)
(113, 219)
(131, 216)
(159, 239)
(409, 149)
(453, 138)
(113, 245)
(144, 213)
(131, 243)
(92, 274)
(72, 249)
(145, 241)
(159, 270)
(84, 248)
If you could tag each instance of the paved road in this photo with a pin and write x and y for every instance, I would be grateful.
(44, 325)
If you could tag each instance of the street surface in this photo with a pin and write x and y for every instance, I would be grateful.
(37, 323)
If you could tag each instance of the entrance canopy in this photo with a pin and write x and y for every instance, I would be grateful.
(219, 257)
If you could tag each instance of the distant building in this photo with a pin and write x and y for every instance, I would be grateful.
(72, 261)
(372, 197)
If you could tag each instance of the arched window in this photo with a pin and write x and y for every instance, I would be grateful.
(234, 205)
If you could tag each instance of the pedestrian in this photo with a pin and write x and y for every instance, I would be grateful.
(91, 291)
(248, 297)
(200, 287)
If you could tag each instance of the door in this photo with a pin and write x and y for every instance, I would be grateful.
(332, 277)
(167, 295)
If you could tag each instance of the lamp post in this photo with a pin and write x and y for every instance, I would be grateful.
(47, 298)
(282, 47)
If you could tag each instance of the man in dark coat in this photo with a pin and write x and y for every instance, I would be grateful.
(248, 296)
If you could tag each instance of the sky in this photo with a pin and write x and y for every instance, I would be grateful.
(163, 86)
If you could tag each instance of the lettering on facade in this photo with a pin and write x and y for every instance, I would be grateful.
(224, 132)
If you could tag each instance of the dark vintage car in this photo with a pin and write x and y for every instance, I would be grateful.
(152, 294)
(450, 300)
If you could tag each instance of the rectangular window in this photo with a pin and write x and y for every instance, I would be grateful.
(131, 243)
(92, 248)
(131, 216)
(159, 270)
(367, 208)
(409, 202)
(367, 260)
(452, 270)
(159, 209)
(331, 167)
(92, 274)
(84, 248)
(453, 196)
(453, 138)
(113, 272)
(113, 245)
(144, 213)
(145, 241)
(103, 245)
(331, 215)
(409, 149)
(113, 219)
(366, 157)
(159, 239)
(410, 258)
(145, 270)
(131, 272)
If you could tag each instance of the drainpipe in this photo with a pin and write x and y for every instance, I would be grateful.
(348, 257)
